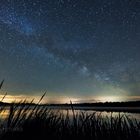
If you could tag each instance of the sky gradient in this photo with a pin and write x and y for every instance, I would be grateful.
(84, 50)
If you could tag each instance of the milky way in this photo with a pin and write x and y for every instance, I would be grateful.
(79, 48)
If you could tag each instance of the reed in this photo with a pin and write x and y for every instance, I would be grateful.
(43, 122)
(39, 122)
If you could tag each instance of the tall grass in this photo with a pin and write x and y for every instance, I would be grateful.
(25, 121)
(41, 122)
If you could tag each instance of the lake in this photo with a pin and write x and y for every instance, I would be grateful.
(104, 111)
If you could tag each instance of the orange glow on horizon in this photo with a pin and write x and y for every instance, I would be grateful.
(65, 99)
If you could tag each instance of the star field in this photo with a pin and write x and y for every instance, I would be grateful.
(72, 48)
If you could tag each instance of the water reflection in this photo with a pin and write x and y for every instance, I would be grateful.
(98, 113)
(4, 113)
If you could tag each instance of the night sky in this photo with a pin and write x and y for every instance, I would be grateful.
(83, 50)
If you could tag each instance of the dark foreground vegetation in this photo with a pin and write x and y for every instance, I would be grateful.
(25, 121)
(43, 123)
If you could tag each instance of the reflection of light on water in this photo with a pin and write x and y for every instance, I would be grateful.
(5, 112)
(104, 114)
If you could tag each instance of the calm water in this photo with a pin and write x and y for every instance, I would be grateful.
(103, 113)
(4, 113)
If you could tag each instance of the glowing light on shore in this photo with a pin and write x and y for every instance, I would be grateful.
(110, 99)
(65, 99)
